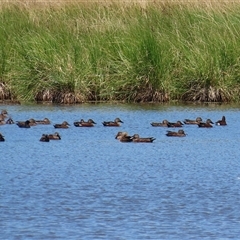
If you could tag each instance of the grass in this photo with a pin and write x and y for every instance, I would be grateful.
(72, 52)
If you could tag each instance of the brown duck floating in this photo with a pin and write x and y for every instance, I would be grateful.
(164, 123)
(3, 114)
(137, 138)
(55, 136)
(115, 123)
(10, 121)
(189, 121)
(32, 122)
(207, 124)
(64, 124)
(123, 137)
(23, 124)
(44, 138)
(222, 122)
(45, 121)
(179, 133)
(175, 124)
(82, 123)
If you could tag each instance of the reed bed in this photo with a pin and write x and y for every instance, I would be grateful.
(138, 51)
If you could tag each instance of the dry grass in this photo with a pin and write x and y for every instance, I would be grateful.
(143, 3)
(165, 5)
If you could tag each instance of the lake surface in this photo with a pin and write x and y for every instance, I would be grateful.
(89, 185)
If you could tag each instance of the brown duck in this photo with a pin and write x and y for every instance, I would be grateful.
(123, 137)
(32, 122)
(222, 122)
(115, 123)
(164, 123)
(175, 124)
(82, 123)
(189, 121)
(55, 136)
(207, 124)
(10, 121)
(22, 124)
(137, 138)
(3, 114)
(44, 121)
(64, 124)
(179, 133)
(44, 138)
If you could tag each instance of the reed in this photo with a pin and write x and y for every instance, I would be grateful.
(72, 52)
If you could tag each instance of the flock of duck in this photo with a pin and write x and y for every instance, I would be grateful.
(124, 137)
(121, 136)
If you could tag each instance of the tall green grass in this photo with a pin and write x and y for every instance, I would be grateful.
(160, 51)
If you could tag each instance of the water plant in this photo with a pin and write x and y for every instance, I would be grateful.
(72, 52)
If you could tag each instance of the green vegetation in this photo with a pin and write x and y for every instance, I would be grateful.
(112, 51)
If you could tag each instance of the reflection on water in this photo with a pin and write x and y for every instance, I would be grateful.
(90, 186)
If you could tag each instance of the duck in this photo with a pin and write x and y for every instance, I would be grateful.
(179, 133)
(115, 123)
(164, 123)
(32, 122)
(55, 136)
(222, 122)
(189, 121)
(64, 124)
(136, 138)
(206, 124)
(3, 114)
(123, 137)
(44, 138)
(175, 124)
(82, 123)
(23, 124)
(10, 121)
(44, 121)
(1, 138)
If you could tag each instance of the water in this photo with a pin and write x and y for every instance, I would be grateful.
(91, 186)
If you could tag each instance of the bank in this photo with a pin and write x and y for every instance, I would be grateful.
(156, 51)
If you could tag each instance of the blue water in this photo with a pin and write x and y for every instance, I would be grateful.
(91, 186)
